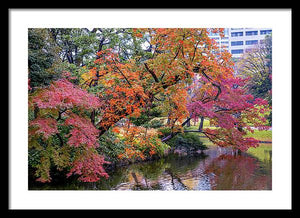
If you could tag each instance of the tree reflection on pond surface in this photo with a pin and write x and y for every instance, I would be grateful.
(215, 169)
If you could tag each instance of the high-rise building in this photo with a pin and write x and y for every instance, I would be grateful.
(239, 40)
(243, 39)
(222, 42)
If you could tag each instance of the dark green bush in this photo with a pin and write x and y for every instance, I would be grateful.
(164, 131)
(155, 124)
(111, 146)
(187, 141)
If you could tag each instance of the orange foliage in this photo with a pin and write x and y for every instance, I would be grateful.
(131, 86)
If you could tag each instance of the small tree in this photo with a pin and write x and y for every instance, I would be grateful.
(62, 134)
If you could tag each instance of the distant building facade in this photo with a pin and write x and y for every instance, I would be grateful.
(243, 39)
(222, 42)
(239, 40)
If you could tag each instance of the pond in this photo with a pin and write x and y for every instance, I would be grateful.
(214, 169)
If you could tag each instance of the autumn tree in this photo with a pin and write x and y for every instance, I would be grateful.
(62, 133)
(233, 111)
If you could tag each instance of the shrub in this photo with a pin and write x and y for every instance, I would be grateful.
(164, 131)
(188, 141)
(111, 146)
(155, 124)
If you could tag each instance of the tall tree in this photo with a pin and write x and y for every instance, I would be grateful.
(42, 57)
(257, 65)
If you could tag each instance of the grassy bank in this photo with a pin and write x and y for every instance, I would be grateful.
(265, 135)
(263, 152)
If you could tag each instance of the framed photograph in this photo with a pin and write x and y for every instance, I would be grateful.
(150, 109)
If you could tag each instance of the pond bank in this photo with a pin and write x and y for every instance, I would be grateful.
(180, 152)
(214, 169)
(262, 156)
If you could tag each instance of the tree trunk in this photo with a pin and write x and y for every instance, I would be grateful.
(188, 123)
(168, 137)
(201, 124)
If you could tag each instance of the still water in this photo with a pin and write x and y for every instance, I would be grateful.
(214, 169)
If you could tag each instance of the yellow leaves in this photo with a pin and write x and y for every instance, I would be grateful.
(87, 76)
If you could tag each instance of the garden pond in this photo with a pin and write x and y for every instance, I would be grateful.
(213, 169)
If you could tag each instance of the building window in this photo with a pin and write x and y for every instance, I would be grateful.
(235, 43)
(252, 42)
(251, 33)
(235, 34)
(226, 31)
(265, 32)
(237, 51)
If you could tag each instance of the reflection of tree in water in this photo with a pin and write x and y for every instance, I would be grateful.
(152, 175)
(184, 164)
(169, 170)
(118, 176)
(237, 172)
(219, 170)
(151, 170)
(176, 182)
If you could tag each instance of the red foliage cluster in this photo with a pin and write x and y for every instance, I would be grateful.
(82, 133)
(231, 111)
(63, 94)
(61, 97)
(46, 126)
(90, 167)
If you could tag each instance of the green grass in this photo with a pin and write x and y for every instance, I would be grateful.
(207, 142)
(264, 135)
(195, 125)
(263, 152)
(206, 123)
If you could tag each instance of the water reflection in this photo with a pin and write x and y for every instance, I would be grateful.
(216, 169)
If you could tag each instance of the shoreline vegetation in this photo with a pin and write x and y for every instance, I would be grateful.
(262, 152)
(264, 137)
